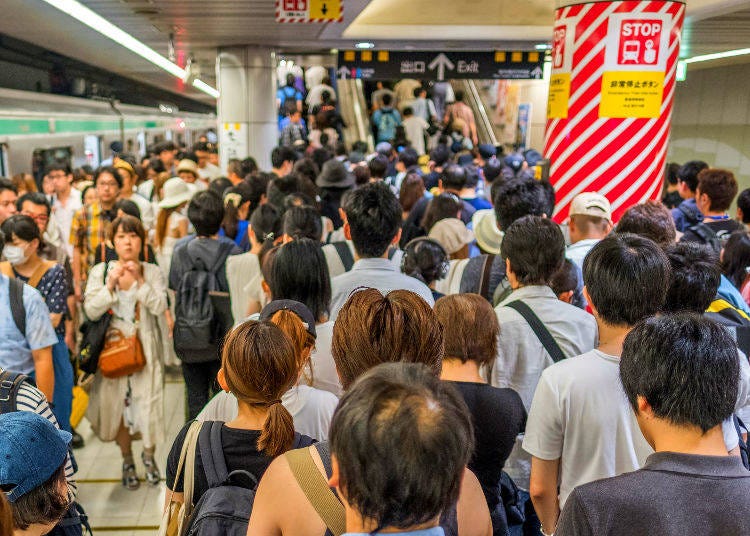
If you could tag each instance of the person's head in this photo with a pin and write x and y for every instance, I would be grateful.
(296, 320)
(425, 259)
(387, 99)
(680, 371)
(35, 206)
(306, 168)
(22, 238)
(299, 272)
(412, 190)
(670, 173)
(361, 175)
(61, 176)
(694, 277)
(492, 169)
(453, 178)
(264, 229)
(206, 212)
(166, 152)
(6, 517)
(89, 195)
(187, 170)
(626, 279)
(408, 158)
(372, 219)
(735, 258)
(8, 198)
(445, 205)
(590, 217)
(687, 178)
(303, 222)
(237, 200)
(32, 471)
(290, 80)
(248, 167)
(234, 170)
(408, 111)
(565, 281)
(283, 159)
(533, 249)
(108, 184)
(651, 220)
(128, 236)
(470, 327)
(716, 190)
(259, 365)
(440, 155)
(24, 183)
(128, 175)
(516, 198)
(472, 177)
(201, 151)
(372, 329)
(743, 206)
(389, 434)
(126, 207)
(459, 96)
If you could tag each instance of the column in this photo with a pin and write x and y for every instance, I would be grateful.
(610, 99)
(247, 104)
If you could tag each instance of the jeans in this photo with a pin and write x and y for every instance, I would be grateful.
(200, 384)
(532, 526)
(63, 394)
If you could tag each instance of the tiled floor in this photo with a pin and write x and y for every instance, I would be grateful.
(113, 510)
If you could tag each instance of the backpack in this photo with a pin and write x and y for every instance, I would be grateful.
(325, 118)
(707, 236)
(387, 124)
(289, 102)
(692, 216)
(198, 330)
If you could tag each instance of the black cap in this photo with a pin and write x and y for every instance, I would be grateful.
(300, 309)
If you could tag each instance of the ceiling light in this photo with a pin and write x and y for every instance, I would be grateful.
(364, 45)
(718, 55)
(543, 46)
(98, 23)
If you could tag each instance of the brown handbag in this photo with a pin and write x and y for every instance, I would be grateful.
(121, 355)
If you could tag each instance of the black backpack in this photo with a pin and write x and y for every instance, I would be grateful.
(92, 342)
(707, 236)
(198, 329)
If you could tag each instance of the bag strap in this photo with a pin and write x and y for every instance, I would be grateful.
(539, 329)
(316, 489)
(345, 254)
(38, 274)
(17, 307)
(212, 454)
(10, 383)
(739, 426)
(707, 235)
(484, 280)
(6, 269)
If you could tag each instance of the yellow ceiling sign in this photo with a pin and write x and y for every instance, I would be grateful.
(325, 9)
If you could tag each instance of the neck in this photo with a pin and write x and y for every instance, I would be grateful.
(249, 417)
(29, 266)
(107, 205)
(357, 524)
(670, 438)
(468, 193)
(456, 371)
(64, 194)
(710, 215)
(235, 179)
(611, 338)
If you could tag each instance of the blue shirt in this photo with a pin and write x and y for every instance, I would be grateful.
(681, 222)
(15, 348)
(434, 531)
(730, 293)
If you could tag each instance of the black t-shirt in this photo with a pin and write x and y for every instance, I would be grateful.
(722, 228)
(498, 416)
(240, 452)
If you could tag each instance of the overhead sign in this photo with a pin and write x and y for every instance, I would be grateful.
(438, 66)
(301, 11)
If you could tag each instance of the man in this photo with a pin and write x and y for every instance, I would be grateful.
(372, 221)
(579, 406)
(129, 178)
(67, 200)
(294, 131)
(166, 152)
(439, 158)
(650, 220)
(385, 120)
(288, 97)
(671, 197)
(687, 213)
(459, 110)
(469, 191)
(26, 348)
(206, 170)
(204, 251)
(378, 165)
(234, 171)
(383, 461)
(423, 107)
(590, 221)
(32, 472)
(314, 96)
(282, 161)
(408, 162)
(416, 129)
(383, 88)
(679, 374)
(8, 198)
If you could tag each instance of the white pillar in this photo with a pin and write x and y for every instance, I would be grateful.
(247, 104)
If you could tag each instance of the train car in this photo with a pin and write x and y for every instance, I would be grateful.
(38, 128)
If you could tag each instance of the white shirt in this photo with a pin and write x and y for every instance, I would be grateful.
(146, 209)
(62, 214)
(315, 96)
(244, 278)
(578, 251)
(324, 375)
(415, 128)
(210, 172)
(333, 259)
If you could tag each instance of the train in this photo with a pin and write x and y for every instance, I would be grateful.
(37, 129)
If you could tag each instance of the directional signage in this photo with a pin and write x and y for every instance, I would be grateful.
(296, 11)
(390, 65)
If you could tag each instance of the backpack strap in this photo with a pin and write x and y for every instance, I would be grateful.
(6, 269)
(345, 254)
(740, 427)
(39, 272)
(539, 329)
(707, 235)
(484, 279)
(212, 454)
(10, 383)
(17, 307)
(316, 489)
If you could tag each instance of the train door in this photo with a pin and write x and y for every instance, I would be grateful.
(92, 149)
(4, 171)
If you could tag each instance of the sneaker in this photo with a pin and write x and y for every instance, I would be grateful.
(129, 478)
(77, 441)
(153, 477)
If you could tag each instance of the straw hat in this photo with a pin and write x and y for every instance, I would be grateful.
(452, 234)
(176, 192)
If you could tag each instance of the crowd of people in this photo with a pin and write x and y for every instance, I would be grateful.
(371, 342)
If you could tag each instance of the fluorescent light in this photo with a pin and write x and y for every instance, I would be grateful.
(719, 55)
(364, 45)
(543, 46)
(98, 23)
(681, 73)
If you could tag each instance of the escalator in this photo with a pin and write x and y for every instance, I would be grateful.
(353, 109)
(474, 98)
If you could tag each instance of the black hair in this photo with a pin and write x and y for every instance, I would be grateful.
(743, 203)
(453, 177)
(58, 165)
(440, 154)
(290, 80)
(535, 248)
(299, 272)
(360, 146)
(7, 184)
(445, 205)
(306, 168)
(390, 431)
(670, 173)
(36, 198)
(112, 171)
(361, 175)
(550, 194)
(231, 221)
(200, 146)
(374, 217)
(426, 260)
(303, 222)
(282, 154)
(248, 166)
(206, 211)
(128, 207)
(408, 111)
(44, 505)
(265, 221)
(694, 277)
(320, 156)
(220, 185)
(565, 279)
(378, 166)
(280, 187)
(340, 149)
(627, 277)
(472, 176)
(685, 366)
(736, 258)
(688, 173)
(408, 157)
(520, 197)
(21, 226)
(387, 99)
(492, 169)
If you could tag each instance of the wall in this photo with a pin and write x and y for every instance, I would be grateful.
(711, 120)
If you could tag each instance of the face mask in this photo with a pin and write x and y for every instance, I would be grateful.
(14, 254)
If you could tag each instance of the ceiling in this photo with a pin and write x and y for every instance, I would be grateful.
(200, 27)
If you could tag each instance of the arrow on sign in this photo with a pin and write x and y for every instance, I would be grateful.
(325, 9)
(536, 73)
(440, 62)
(344, 72)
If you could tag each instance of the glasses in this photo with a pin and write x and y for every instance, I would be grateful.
(39, 218)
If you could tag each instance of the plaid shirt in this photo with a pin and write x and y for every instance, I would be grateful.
(88, 232)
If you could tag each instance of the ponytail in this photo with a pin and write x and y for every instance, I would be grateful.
(277, 435)
(265, 222)
(231, 220)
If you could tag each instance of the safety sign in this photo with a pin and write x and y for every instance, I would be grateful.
(294, 11)
(562, 60)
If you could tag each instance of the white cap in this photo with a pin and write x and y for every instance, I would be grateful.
(591, 204)
(176, 192)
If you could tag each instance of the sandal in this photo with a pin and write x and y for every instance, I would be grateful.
(129, 478)
(153, 477)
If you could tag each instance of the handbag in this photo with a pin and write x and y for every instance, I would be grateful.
(176, 516)
(121, 355)
(93, 334)
(79, 406)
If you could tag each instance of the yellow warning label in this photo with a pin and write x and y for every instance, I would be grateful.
(383, 55)
(325, 9)
(631, 94)
(349, 55)
(559, 93)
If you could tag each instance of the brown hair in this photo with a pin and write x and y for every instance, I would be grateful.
(259, 367)
(6, 517)
(128, 224)
(25, 182)
(372, 329)
(412, 190)
(719, 185)
(161, 225)
(650, 220)
(291, 324)
(470, 327)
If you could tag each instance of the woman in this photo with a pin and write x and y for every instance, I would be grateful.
(237, 201)
(23, 240)
(120, 408)
(453, 235)
(171, 221)
(24, 183)
(426, 260)
(263, 428)
(735, 262)
(311, 409)
(88, 195)
(471, 330)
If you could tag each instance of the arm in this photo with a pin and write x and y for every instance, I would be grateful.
(99, 298)
(471, 509)
(543, 491)
(44, 372)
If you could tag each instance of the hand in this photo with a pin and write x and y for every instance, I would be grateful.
(77, 294)
(114, 277)
(135, 270)
(70, 340)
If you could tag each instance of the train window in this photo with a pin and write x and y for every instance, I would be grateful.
(41, 158)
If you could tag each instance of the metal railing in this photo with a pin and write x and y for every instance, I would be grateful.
(353, 109)
(485, 129)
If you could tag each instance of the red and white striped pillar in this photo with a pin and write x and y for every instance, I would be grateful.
(610, 103)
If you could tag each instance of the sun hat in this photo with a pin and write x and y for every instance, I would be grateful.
(334, 175)
(452, 234)
(591, 204)
(488, 236)
(188, 165)
(176, 192)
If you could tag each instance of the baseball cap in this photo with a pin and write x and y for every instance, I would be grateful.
(591, 204)
(298, 308)
(33, 449)
(514, 161)
(452, 234)
(384, 148)
(486, 150)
